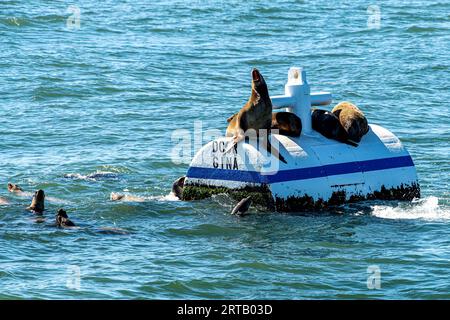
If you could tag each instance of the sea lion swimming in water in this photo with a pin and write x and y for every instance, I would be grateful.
(125, 197)
(37, 203)
(177, 187)
(287, 123)
(352, 119)
(256, 114)
(3, 201)
(328, 125)
(62, 220)
(14, 188)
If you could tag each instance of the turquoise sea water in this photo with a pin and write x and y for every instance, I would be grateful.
(105, 99)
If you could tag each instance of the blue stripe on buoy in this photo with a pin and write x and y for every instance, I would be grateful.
(302, 173)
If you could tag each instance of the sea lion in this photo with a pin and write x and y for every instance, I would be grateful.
(256, 114)
(14, 188)
(126, 197)
(352, 119)
(328, 125)
(62, 220)
(177, 187)
(287, 123)
(37, 203)
(242, 207)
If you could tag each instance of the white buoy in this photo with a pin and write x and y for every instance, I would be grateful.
(319, 171)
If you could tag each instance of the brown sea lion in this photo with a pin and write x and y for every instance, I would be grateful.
(37, 203)
(352, 119)
(328, 125)
(242, 207)
(62, 220)
(14, 188)
(177, 187)
(287, 123)
(256, 114)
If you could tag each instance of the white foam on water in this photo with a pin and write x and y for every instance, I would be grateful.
(426, 208)
(170, 197)
(128, 197)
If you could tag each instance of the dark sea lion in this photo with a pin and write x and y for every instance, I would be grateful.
(242, 207)
(256, 114)
(62, 220)
(14, 188)
(287, 123)
(328, 125)
(352, 119)
(177, 187)
(37, 203)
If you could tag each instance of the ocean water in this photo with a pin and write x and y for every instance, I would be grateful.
(89, 109)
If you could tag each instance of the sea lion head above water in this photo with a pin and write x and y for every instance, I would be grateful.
(62, 220)
(37, 203)
(14, 187)
(177, 187)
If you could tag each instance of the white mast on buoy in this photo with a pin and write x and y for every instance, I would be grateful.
(298, 98)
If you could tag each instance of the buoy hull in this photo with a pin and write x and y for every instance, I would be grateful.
(319, 172)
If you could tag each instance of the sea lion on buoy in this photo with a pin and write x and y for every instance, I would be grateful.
(37, 203)
(352, 119)
(14, 188)
(177, 187)
(256, 114)
(287, 123)
(62, 220)
(242, 207)
(328, 125)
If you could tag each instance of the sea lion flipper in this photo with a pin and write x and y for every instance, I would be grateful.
(242, 207)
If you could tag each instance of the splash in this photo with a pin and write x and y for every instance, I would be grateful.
(128, 197)
(426, 208)
(98, 175)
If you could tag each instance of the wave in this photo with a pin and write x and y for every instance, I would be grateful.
(419, 29)
(426, 208)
